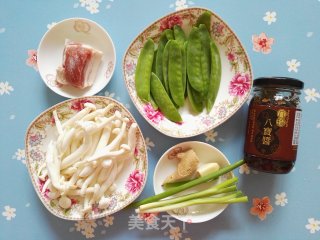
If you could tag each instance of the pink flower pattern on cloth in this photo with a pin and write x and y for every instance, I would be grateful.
(239, 85)
(262, 43)
(134, 181)
(32, 59)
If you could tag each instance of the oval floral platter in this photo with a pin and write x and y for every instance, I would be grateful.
(129, 182)
(236, 79)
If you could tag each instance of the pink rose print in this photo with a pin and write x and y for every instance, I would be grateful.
(136, 152)
(239, 84)
(35, 139)
(217, 29)
(262, 43)
(130, 67)
(41, 185)
(149, 218)
(134, 181)
(79, 105)
(231, 57)
(32, 59)
(170, 21)
(154, 115)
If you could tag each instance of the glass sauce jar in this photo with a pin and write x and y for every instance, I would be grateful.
(273, 125)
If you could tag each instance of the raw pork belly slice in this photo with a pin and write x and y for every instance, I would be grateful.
(79, 66)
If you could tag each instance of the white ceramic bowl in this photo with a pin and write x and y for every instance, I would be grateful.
(236, 80)
(50, 53)
(167, 164)
(130, 181)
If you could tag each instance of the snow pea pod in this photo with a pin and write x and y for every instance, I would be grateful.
(179, 34)
(194, 49)
(163, 100)
(165, 61)
(204, 18)
(143, 71)
(184, 65)
(175, 75)
(153, 103)
(205, 55)
(194, 99)
(159, 56)
(169, 34)
(154, 62)
(215, 76)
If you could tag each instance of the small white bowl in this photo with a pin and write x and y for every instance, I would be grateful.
(167, 164)
(51, 47)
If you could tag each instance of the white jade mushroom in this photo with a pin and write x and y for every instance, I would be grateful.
(65, 202)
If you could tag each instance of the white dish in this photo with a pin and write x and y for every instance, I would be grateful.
(50, 52)
(130, 181)
(167, 164)
(236, 81)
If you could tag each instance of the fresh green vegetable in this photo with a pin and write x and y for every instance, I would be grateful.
(143, 71)
(204, 18)
(153, 103)
(169, 34)
(194, 70)
(175, 75)
(184, 66)
(205, 56)
(195, 99)
(223, 187)
(159, 57)
(179, 34)
(236, 197)
(215, 76)
(190, 184)
(154, 63)
(165, 62)
(162, 100)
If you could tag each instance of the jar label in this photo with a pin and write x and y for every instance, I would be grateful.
(273, 132)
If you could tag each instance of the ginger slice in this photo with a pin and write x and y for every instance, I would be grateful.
(186, 168)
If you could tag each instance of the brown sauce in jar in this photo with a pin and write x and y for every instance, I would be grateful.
(273, 125)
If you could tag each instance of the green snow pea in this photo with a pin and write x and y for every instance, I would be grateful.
(169, 34)
(215, 76)
(154, 62)
(143, 71)
(205, 55)
(163, 100)
(159, 56)
(204, 18)
(179, 34)
(184, 65)
(194, 99)
(153, 103)
(175, 75)
(194, 70)
(165, 61)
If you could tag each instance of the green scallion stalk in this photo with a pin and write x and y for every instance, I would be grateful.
(231, 198)
(190, 184)
(224, 187)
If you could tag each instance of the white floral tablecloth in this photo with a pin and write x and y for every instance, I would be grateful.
(282, 38)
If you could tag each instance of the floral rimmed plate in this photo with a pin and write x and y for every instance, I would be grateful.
(236, 81)
(130, 181)
(50, 52)
(167, 165)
